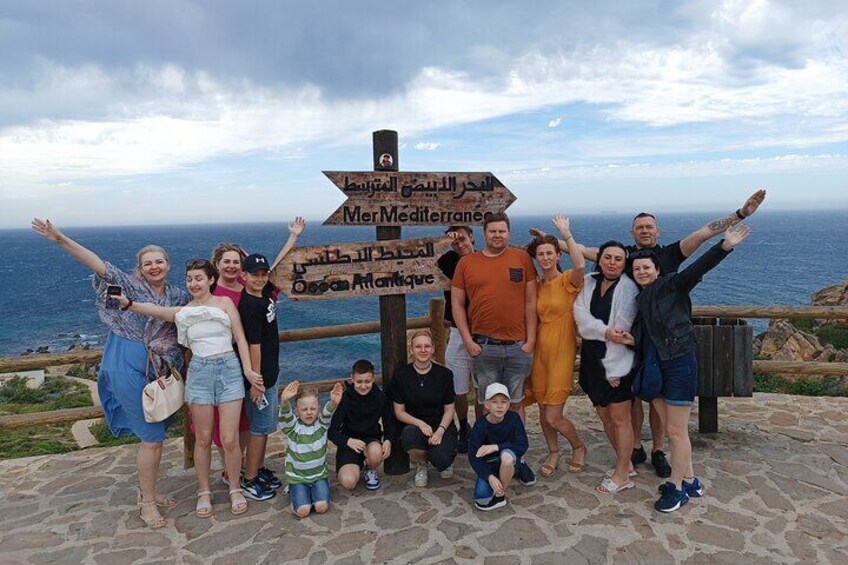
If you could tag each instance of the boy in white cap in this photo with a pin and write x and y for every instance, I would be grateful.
(496, 443)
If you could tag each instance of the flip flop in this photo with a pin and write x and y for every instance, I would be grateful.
(547, 469)
(607, 486)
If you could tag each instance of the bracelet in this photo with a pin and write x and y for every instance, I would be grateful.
(739, 214)
(442, 427)
(129, 304)
(567, 239)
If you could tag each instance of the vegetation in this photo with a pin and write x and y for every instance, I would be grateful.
(102, 433)
(837, 336)
(55, 394)
(82, 371)
(36, 440)
(829, 385)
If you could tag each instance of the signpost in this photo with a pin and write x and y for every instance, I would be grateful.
(368, 268)
(417, 199)
(390, 267)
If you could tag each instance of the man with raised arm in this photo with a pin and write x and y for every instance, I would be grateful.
(645, 235)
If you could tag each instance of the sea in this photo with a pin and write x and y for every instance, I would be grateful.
(47, 299)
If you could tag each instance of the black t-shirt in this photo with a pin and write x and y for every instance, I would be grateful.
(259, 318)
(447, 264)
(670, 256)
(424, 396)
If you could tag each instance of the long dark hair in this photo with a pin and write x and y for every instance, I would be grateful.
(604, 246)
(207, 267)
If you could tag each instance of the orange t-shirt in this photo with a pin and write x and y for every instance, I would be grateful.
(495, 290)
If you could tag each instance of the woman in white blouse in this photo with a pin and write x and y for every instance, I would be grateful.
(208, 325)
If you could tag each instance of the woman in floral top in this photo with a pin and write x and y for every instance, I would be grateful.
(124, 369)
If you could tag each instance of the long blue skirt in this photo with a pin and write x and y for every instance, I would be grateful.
(120, 383)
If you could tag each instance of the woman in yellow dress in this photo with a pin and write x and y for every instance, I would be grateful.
(552, 375)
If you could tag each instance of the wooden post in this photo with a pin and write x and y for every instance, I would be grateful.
(438, 329)
(708, 414)
(393, 307)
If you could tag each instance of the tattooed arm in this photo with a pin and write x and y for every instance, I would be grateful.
(720, 225)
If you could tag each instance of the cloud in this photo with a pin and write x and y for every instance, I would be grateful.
(554, 123)
(427, 146)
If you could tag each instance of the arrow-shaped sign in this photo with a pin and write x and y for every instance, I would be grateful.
(370, 268)
(382, 198)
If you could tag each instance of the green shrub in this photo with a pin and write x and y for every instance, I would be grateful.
(102, 434)
(829, 385)
(82, 371)
(36, 440)
(16, 391)
(837, 336)
(56, 393)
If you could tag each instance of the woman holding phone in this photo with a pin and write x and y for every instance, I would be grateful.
(131, 340)
(209, 325)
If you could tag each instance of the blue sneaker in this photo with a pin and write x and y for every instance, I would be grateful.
(694, 489)
(372, 479)
(269, 478)
(525, 474)
(671, 499)
(256, 489)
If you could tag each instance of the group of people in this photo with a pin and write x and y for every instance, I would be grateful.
(513, 342)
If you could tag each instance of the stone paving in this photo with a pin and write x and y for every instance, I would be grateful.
(776, 479)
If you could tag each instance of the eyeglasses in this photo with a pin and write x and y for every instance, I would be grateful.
(197, 264)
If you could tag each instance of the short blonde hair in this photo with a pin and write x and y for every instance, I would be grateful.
(307, 391)
(149, 249)
(419, 333)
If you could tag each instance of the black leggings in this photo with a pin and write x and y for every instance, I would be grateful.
(440, 456)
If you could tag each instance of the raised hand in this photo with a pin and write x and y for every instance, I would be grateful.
(734, 236)
(562, 224)
(536, 232)
(297, 226)
(753, 203)
(290, 391)
(336, 393)
(46, 229)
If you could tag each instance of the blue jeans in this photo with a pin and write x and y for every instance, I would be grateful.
(505, 364)
(307, 494)
(263, 422)
(483, 492)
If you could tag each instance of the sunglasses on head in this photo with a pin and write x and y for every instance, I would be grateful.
(197, 264)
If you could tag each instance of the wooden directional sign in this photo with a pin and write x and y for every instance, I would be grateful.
(371, 268)
(383, 198)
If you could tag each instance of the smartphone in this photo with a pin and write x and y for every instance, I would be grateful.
(113, 290)
(263, 403)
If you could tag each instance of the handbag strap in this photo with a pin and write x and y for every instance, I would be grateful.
(151, 362)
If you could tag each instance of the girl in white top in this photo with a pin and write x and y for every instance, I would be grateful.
(208, 325)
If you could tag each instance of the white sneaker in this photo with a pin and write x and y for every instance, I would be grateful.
(372, 479)
(447, 473)
(421, 477)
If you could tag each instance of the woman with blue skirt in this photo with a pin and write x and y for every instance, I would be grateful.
(132, 341)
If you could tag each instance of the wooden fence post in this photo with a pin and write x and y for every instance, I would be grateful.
(438, 329)
(392, 307)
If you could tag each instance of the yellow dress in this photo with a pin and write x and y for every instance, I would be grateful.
(552, 375)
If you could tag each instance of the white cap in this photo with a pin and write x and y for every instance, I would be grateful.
(495, 389)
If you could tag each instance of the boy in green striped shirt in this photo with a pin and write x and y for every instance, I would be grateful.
(306, 451)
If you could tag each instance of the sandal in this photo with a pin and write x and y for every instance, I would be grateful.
(237, 506)
(632, 473)
(548, 468)
(573, 466)
(204, 506)
(152, 522)
(607, 486)
(164, 502)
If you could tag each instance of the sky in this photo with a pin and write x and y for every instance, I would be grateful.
(163, 112)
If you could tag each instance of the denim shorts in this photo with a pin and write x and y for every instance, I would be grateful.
(459, 362)
(483, 492)
(307, 494)
(214, 380)
(263, 422)
(505, 364)
(680, 380)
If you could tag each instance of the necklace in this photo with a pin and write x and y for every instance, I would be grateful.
(422, 376)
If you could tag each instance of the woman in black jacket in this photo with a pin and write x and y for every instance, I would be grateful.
(664, 332)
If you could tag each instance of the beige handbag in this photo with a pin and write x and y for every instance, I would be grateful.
(164, 395)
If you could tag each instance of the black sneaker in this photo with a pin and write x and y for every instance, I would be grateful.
(256, 489)
(638, 456)
(525, 474)
(269, 478)
(671, 499)
(495, 502)
(660, 464)
(462, 437)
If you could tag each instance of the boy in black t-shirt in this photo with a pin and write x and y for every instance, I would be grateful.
(356, 430)
(258, 312)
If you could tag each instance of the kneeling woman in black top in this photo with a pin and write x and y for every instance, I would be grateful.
(664, 332)
(423, 395)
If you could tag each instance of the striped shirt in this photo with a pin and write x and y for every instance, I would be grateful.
(306, 451)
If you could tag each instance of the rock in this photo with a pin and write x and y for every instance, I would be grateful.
(784, 342)
(43, 349)
(836, 295)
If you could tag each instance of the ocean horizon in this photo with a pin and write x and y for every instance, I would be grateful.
(48, 301)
